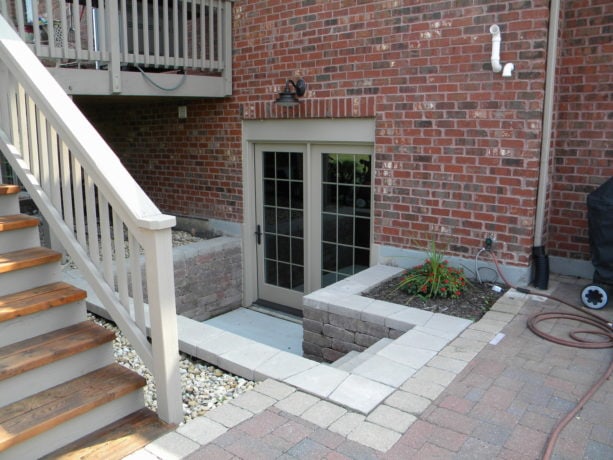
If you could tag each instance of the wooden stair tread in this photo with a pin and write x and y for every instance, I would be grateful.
(116, 440)
(38, 299)
(44, 349)
(26, 258)
(31, 416)
(17, 221)
(9, 189)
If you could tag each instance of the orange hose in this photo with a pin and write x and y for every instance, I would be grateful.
(603, 328)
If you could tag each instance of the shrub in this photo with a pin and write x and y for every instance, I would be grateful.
(434, 278)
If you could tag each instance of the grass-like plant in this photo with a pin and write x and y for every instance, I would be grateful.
(434, 278)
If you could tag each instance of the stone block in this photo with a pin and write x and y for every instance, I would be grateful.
(297, 403)
(337, 333)
(282, 366)
(315, 314)
(344, 322)
(172, 445)
(360, 394)
(384, 370)
(312, 326)
(320, 380)
(347, 423)
(364, 340)
(392, 418)
(311, 350)
(331, 355)
(345, 347)
(374, 330)
(317, 339)
(323, 414)
(202, 430)
(218, 262)
(395, 333)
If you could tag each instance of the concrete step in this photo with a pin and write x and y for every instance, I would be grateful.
(378, 346)
(354, 358)
(342, 362)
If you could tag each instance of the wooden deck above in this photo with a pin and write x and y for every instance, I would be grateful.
(139, 48)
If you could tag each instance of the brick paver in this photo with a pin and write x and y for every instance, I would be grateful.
(503, 404)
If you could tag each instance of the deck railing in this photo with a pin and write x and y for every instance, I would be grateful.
(189, 35)
(95, 209)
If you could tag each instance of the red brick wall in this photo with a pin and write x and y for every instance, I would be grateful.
(583, 142)
(457, 146)
(188, 168)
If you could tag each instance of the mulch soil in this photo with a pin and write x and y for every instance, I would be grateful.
(476, 300)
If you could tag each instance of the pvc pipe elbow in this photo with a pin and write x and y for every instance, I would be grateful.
(507, 71)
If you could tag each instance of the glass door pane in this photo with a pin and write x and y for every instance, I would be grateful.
(345, 215)
(283, 219)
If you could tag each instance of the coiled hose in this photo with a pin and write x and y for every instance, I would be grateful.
(603, 329)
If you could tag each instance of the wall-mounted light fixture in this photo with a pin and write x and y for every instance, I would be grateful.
(289, 99)
(496, 65)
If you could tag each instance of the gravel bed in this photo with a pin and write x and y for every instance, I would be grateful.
(203, 386)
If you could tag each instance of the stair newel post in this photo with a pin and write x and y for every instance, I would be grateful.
(163, 318)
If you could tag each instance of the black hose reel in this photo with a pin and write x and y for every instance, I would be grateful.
(595, 296)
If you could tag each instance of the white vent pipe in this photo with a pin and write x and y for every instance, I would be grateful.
(495, 31)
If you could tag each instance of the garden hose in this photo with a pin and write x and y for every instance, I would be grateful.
(603, 329)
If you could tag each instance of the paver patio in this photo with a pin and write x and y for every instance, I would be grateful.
(501, 401)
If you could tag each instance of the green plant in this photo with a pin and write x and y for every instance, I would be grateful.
(434, 278)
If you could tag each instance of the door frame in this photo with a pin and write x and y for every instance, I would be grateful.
(359, 131)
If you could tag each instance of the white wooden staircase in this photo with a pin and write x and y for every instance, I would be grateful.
(58, 379)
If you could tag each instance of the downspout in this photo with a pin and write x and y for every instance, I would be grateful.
(541, 260)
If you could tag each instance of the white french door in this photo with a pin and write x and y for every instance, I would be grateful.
(313, 212)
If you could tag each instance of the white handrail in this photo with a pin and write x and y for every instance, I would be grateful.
(86, 196)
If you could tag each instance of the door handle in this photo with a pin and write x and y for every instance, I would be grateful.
(258, 234)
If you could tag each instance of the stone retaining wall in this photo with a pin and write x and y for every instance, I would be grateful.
(208, 277)
(329, 336)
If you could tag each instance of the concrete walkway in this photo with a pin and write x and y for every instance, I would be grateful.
(484, 395)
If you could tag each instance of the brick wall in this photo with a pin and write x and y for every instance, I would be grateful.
(457, 146)
(189, 168)
(583, 141)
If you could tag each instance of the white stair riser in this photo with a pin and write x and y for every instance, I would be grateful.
(26, 327)
(21, 280)
(23, 238)
(9, 204)
(76, 428)
(45, 377)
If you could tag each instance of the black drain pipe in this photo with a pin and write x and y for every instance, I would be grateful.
(540, 270)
